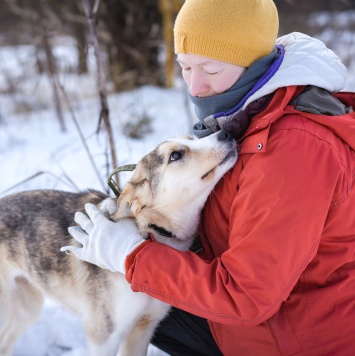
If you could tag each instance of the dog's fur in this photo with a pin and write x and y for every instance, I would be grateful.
(168, 189)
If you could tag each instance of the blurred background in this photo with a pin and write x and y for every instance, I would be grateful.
(135, 36)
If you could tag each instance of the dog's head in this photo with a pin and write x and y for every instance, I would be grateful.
(171, 184)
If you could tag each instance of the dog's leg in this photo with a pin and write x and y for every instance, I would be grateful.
(102, 339)
(109, 348)
(21, 304)
(137, 341)
(106, 336)
(5, 348)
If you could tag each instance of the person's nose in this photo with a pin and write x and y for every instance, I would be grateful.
(198, 85)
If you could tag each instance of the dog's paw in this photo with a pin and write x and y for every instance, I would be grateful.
(108, 207)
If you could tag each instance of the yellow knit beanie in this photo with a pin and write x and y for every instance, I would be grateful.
(233, 31)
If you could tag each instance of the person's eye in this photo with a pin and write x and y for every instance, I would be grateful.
(186, 69)
(211, 72)
(175, 156)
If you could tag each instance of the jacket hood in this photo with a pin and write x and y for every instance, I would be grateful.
(307, 61)
(344, 125)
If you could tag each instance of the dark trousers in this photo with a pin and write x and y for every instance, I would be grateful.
(182, 333)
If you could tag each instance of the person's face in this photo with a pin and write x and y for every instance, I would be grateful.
(206, 76)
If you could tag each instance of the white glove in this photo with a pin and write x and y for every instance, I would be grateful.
(105, 243)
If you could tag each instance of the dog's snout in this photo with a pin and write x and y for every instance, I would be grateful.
(224, 135)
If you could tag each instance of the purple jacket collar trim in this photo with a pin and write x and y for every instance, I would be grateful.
(259, 84)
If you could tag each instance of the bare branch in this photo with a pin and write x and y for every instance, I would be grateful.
(82, 138)
(51, 65)
(23, 12)
(33, 176)
(96, 8)
(101, 77)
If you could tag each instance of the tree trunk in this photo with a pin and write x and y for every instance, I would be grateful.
(50, 63)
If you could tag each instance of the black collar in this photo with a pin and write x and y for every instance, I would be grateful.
(161, 231)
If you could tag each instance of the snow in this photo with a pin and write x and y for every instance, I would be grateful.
(35, 154)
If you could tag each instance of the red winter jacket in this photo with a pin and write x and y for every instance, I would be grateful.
(279, 238)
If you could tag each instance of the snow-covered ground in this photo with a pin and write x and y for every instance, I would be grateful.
(35, 154)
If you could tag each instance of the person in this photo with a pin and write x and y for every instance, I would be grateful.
(277, 270)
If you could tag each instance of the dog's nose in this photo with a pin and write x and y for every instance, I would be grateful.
(224, 135)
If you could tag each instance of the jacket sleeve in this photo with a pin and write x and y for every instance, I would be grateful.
(276, 221)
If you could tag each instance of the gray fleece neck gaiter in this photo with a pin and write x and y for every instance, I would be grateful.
(229, 99)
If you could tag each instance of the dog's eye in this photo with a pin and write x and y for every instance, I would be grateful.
(175, 156)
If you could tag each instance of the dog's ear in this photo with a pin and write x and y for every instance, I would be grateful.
(131, 200)
(135, 195)
(124, 204)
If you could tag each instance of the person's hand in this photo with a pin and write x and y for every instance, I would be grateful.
(104, 243)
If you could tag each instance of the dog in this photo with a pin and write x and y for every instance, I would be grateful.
(165, 196)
